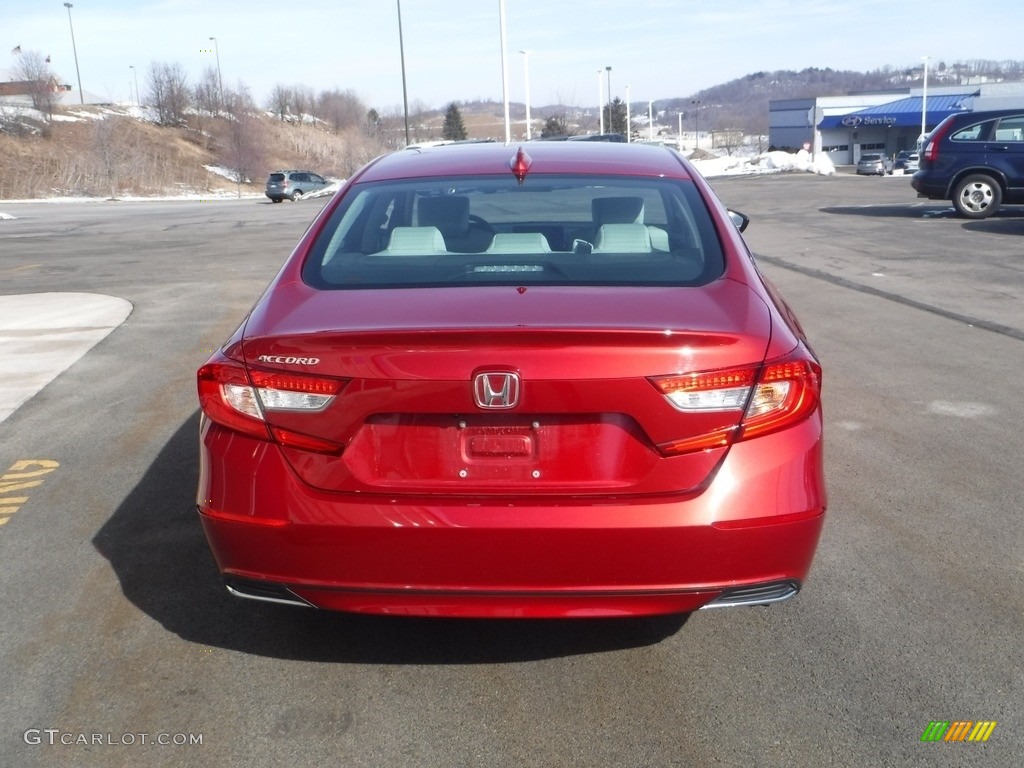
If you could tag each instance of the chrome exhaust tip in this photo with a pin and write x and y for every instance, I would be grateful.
(264, 591)
(756, 594)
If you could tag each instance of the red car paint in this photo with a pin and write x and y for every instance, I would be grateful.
(354, 459)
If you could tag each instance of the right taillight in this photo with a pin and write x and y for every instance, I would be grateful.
(931, 147)
(771, 397)
(786, 392)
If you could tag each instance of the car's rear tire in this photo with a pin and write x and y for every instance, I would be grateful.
(977, 196)
(296, 195)
(275, 199)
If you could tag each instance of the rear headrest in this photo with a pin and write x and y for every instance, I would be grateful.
(414, 241)
(519, 242)
(617, 210)
(450, 214)
(622, 238)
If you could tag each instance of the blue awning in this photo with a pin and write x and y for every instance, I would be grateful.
(904, 113)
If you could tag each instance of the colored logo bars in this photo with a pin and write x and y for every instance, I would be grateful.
(958, 730)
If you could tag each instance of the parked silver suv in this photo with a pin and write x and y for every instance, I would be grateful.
(874, 165)
(293, 184)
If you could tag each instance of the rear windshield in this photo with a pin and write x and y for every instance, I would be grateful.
(276, 177)
(551, 230)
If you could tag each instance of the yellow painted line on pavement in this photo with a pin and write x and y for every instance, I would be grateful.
(19, 269)
(18, 477)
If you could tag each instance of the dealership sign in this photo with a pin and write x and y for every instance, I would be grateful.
(854, 121)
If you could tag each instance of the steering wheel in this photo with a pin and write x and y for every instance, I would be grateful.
(479, 223)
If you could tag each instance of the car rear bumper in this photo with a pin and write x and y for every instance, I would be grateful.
(756, 524)
(930, 187)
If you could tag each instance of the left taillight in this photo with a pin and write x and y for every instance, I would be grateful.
(770, 397)
(239, 399)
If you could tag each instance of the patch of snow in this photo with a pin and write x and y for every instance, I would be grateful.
(6, 216)
(330, 189)
(227, 173)
(767, 162)
(182, 196)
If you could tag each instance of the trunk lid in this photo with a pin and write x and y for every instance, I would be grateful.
(545, 392)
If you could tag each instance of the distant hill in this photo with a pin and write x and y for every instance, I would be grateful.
(743, 103)
(105, 152)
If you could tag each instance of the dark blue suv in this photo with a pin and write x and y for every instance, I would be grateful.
(975, 160)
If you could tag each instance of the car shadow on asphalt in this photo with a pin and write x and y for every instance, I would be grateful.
(157, 548)
(891, 211)
(998, 225)
(1008, 221)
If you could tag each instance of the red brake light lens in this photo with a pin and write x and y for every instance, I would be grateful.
(227, 397)
(771, 397)
(786, 393)
(931, 148)
(240, 399)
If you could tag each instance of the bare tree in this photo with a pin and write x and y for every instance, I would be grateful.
(340, 109)
(168, 92)
(303, 100)
(34, 71)
(112, 147)
(729, 139)
(281, 101)
(206, 93)
(418, 114)
(241, 149)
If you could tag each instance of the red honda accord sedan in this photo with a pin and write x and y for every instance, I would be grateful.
(516, 381)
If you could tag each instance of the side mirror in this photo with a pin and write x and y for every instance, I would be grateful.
(741, 220)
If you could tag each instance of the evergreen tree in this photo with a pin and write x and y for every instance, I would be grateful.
(615, 116)
(556, 125)
(453, 128)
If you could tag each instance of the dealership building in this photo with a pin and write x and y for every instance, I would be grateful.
(884, 122)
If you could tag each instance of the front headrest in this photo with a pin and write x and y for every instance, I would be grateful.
(617, 210)
(450, 214)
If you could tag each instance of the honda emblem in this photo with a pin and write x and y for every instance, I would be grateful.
(496, 390)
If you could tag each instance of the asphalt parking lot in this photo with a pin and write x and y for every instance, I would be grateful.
(116, 635)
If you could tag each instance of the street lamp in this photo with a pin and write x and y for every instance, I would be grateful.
(405, 92)
(220, 83)
(696, 124)
(680, 131)
(81, 96)
(924, 100)
(629, 127)
(650, 119)
(600, 101)
(504, 69)
(526, 87)
(135, 72)
(609, 71)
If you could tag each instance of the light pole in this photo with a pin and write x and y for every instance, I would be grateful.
(526, 88)
(680, 131)
(135, 73)
(81, 96)
(629, 127)
(220, 83)
(696, 124)
(504, 70)
(609, 71)
(600, 100)
(405, 92)
(924, 101)
(650, 119)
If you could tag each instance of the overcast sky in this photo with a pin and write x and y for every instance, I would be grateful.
(660, 48)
